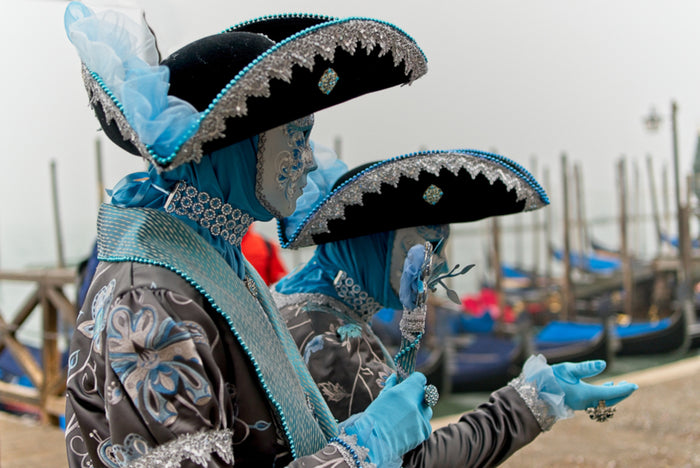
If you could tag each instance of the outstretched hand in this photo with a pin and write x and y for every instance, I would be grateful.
(579, 395)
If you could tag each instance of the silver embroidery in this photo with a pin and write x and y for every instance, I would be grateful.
(292, 164)
(255, 82)
(319, 300)
(250, 284)
(361, 452)
(259, 171)
(350, 292)
(539, 408)
(197, 448)
(222, 219)
(412, 166)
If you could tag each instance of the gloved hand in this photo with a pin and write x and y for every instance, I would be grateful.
(395, 422)
(411, 283)
(579, 395)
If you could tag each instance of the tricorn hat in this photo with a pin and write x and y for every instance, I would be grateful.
(423, 188)
(261, 74)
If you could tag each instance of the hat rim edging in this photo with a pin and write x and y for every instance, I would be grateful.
(521, 182)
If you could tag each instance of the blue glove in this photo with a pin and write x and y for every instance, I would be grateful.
(395, 422)
(411, 283)
(579, 395)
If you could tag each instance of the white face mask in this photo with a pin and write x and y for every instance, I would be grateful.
(406, 238)
(284, 158)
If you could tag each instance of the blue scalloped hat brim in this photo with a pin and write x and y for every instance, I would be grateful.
(415, 189)
(327, 61)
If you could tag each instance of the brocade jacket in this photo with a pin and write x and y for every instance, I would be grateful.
(349, 364)
(159, 378)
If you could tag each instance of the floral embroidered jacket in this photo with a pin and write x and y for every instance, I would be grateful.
(156, 378)
(349, 364)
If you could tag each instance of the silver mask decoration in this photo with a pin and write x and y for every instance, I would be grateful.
(284, 158)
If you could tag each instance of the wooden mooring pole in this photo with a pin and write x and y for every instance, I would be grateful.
(98, 168)
(685, 281)
(654, 204)
(582, 228)
(60, 260)
(568, 302)
(627, 283)
(547, 232)
(497, 267)
(535, 231)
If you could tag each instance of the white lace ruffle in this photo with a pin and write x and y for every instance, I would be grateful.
(197, 448)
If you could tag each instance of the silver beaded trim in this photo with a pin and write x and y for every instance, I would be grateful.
(360, 301)
(539, 408)
(413, 322)
(197, 448)
(255, 82)
(411, 167)
(222, 219)
(361, 452)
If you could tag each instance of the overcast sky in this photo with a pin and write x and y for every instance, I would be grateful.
(526, 79)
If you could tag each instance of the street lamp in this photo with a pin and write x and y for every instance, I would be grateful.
(653, 120)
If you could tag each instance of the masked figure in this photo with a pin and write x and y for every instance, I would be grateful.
(179, 357)
(371, 224)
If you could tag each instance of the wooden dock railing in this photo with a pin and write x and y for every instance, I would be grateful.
(48, 377)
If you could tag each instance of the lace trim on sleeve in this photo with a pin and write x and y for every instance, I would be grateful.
(541, 410)
(197, 448)
(353, 453)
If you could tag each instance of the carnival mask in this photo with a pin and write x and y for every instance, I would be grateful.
(284, 159)
(406, 238)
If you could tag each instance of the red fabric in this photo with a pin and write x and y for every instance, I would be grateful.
(486, 302)
(264, 256)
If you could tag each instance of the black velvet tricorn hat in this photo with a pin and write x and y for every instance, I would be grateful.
(263, 73)
(423, 188)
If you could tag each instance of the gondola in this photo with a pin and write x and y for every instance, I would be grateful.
(657, 337)
(561, 341)
(484, 362)
(603, 265)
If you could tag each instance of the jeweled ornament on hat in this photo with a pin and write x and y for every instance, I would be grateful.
(328, 81)
(432, 194)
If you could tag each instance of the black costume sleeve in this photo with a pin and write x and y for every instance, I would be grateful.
(484, 437)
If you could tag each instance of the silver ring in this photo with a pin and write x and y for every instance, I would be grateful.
(431, 396)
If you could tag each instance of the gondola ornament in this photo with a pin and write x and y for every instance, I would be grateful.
(601, 413)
